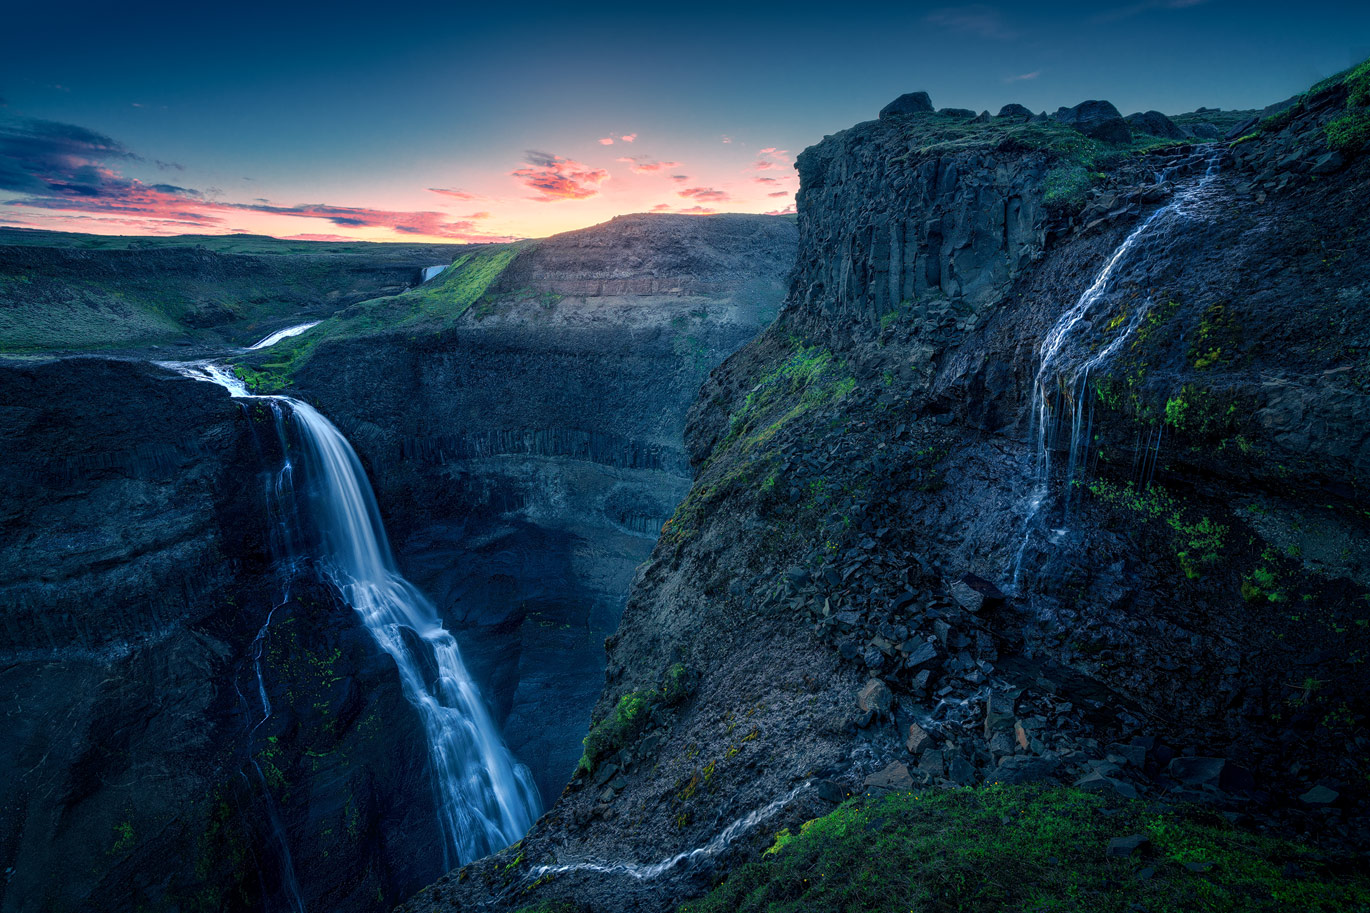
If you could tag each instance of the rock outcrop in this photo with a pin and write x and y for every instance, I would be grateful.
(865, 475)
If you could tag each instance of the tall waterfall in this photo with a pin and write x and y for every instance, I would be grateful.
(485, 799)
(1059, 384)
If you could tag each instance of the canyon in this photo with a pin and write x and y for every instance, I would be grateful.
(1028, 460)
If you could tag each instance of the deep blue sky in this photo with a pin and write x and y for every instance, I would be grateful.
(364, 108)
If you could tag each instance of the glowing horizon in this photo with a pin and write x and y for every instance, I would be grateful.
(467, 124)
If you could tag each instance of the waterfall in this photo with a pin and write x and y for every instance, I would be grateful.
(1071, 381)
(485, 799)
(267, 342)
(432, 272)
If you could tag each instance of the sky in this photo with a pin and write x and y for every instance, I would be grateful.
(472, 123)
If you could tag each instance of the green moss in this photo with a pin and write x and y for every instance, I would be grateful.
(623, 724)
(124, 838)
(1005, 849)
(1196, 543)
(550, 906)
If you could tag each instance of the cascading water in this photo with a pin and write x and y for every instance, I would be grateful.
(485, 799)
(1071, 382)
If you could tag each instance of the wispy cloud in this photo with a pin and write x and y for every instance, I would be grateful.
(628, 137)
(703, 193)
(1136, 9)
(642, 165)
(975, 19)
(780, 193)
(556, 178)
(787, 211)
(606, 141)
(67, 169)
(454, 193)
(1023, 77)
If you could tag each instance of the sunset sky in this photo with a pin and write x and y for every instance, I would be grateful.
(471, 123)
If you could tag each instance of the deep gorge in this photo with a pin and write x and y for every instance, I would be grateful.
(1021, 474)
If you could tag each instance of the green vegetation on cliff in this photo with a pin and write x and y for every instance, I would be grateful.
(431, 306)
(1001, 848)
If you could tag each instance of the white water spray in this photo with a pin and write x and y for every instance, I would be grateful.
(1188, 203)
(720, 842)
(485, 799)
(432, 272)
(267, 342)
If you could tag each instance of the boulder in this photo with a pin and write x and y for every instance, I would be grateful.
(973, 593)
(1099, 783)
(1320, 795)
(1330, 163)
(918, 739)
(1015, 110)
(921, 654)
(1129, 846)
(1096, 119)
(1197, 771)
(932, 763)
(907, 104)
(999, 712)
(1154, 123)
(966, 113)
(876, 698)
(894, 777)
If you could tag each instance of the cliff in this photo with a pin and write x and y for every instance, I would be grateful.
(1049, 472)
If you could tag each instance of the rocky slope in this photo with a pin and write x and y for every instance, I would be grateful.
(1186, 611)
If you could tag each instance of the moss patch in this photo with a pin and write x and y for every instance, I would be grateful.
(1002, 848)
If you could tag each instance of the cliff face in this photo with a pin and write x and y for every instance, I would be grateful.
(526, 456)
(1174, 506)
(137, 581)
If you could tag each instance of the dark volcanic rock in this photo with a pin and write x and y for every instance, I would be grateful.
(1154, 123)
(906, 104)
(1097, 119)
(1015, 110)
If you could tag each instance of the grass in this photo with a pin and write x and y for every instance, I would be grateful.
(1197, 543)
(1028, 849)
(1350, 132)
(631, 715)
(432, 306)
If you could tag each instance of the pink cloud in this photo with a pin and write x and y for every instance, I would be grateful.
(556, 178)
(479, 215)
(703, 193)
(661, 207)
(606, 141)
(780, 193)
(646, 166)
(454, 193)
(628, 137)
(698, 211)
(766, 180)
(787, 211)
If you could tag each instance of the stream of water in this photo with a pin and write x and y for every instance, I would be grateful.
(1061, 388)
(485, 799)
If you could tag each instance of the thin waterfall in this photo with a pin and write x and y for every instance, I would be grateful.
(485, 799)
(1059, 382)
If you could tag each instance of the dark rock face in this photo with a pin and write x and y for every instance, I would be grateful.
(1154, 123)
(526, 459)
(906, 104)
(1015, 110)
(831, 540)
(1097, 119)
(959, 228)
(136, 579)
